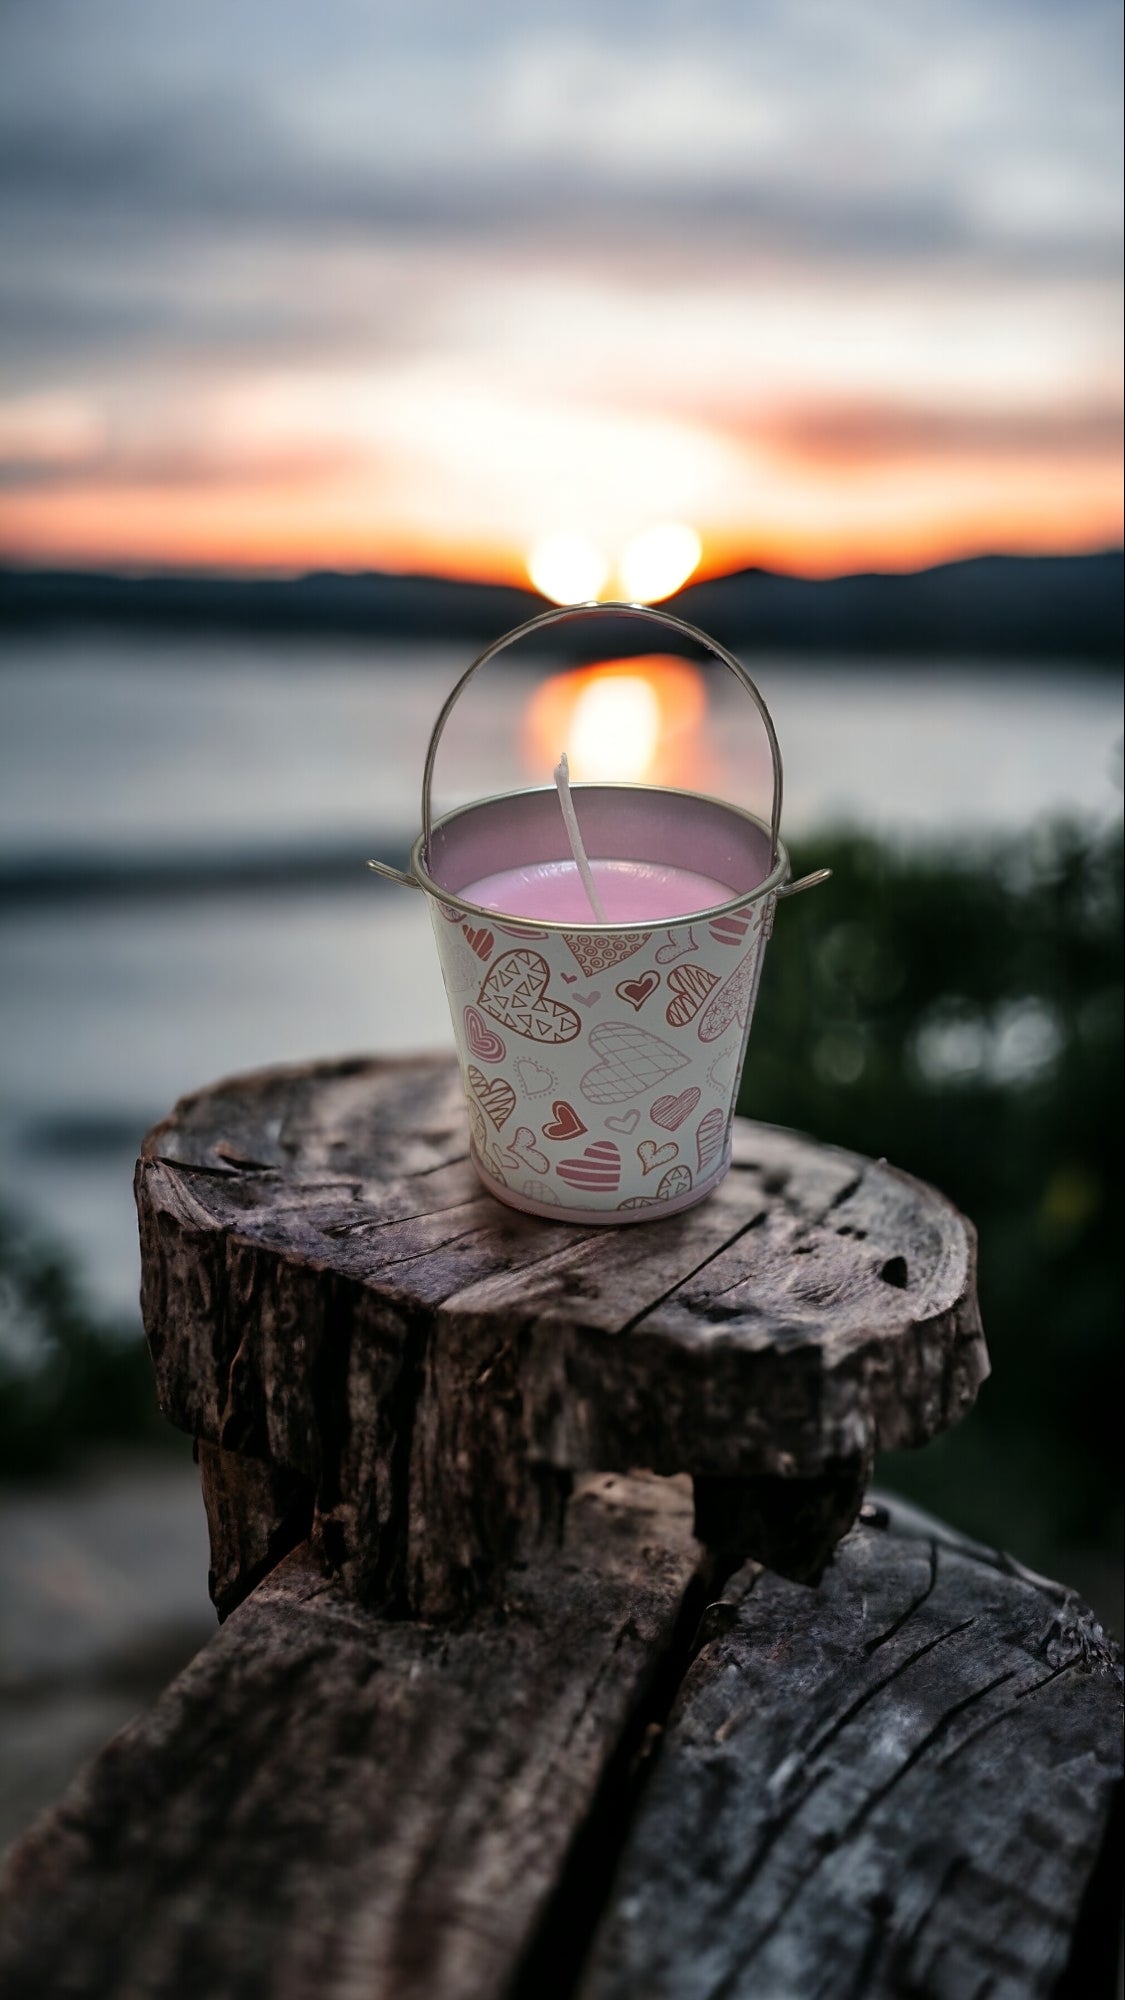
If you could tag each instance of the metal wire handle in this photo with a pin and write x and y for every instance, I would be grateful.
(668, 621)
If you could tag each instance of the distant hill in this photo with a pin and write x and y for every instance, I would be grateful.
(1019, 606)
(1052, 606)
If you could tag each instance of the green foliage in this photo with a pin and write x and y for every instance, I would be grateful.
(961, 1015)
(66, 1381)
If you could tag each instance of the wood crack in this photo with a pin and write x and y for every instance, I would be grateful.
(904, 1617)
(840, 1722)
(552, 1966)
(686, 1277)
(733, 1978)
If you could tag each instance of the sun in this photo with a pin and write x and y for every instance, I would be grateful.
(568, 569)
(658, 562)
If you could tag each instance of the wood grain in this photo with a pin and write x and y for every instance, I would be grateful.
(330, 1804)
(896, 1785)
(328, 1290)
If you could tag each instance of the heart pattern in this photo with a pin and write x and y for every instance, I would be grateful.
(482, 1146)
(572, 1101)
(632, 1061)
(709, 1137)
(523, 1152)
(597, 951)
(676, 1181)
(670, 1112)
(515, 994)
(541, 1191)
(535, 1081)
(625, 1121)
(597, 1172)
(565, 1122)
(482, 941)
(483, 1041)
(690, 985)
(636, 991)
(729, 930)
(732, 1001)
(494, 1094)
(678, 946)
(721, 1073)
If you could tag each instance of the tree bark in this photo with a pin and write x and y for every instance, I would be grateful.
(329, 1292)
(605, 1786)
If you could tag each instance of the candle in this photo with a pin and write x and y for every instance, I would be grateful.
(631, 892)
(600, 997)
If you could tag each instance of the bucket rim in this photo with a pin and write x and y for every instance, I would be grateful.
(774, 882)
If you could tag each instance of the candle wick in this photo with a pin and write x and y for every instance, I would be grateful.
(570, 820)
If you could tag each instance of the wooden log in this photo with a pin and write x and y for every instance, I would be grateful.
(899, 1784)
(895, 1785)
(256, 1514)
(329, 1803)
(328, 1291)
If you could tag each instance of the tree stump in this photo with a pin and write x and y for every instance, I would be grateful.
(604, 1787)
(606, 1758)
(373, 1351)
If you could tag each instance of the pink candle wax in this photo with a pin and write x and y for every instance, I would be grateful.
(633, 892)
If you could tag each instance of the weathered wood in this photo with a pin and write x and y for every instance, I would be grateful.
(256, 1514)
(333, 1803)
(328, 1290)
(896, 1785)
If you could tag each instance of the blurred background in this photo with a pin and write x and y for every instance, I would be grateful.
(337, 340)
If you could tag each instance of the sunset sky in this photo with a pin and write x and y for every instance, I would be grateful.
(836, 284)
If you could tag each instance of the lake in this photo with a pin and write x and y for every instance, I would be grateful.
(145, 758)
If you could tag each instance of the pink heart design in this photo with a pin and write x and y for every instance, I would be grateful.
(515, 994)
(482, 1039)
(587, 999)
(676, 947)
(565, 1123)
(481, 940)
(652, 1156)
(733, 1000)
(671, 1111)
(536, 1080)
(690, 985)
(729, 930)
(527, 1152)
(721, 1072)
(494, 1094)
(636, 991)
(627, 1122)
(632, 1062)
(597, 1172)
(709, 1138)
(675, 1182)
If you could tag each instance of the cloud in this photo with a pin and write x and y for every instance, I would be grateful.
(800, 129)
(829, 236)
(883, 433)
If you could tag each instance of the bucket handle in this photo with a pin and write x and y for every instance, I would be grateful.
(667, 621)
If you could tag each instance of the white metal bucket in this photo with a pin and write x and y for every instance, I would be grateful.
(601, 1062)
